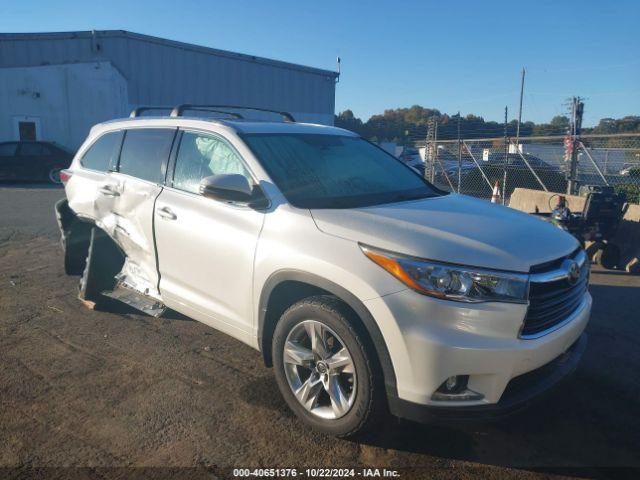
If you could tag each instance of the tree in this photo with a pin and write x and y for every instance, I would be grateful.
(349, 121)
(560, 121)
(629, 124)
(559, 125)
(405, 125)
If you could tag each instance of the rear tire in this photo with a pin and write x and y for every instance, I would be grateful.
(54, 176)
(347, 399)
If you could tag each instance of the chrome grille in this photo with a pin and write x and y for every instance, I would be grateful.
(553, 297)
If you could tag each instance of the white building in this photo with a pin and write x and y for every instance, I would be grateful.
(55, 86)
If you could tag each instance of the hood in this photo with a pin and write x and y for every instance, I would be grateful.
(452, 228)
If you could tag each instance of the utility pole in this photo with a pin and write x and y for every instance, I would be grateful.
(506, 156)
(575, 127)
(520, 109)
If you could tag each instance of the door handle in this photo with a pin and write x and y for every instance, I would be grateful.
(108, 191)
(166, 213)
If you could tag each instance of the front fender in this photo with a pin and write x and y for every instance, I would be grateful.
(368, 322)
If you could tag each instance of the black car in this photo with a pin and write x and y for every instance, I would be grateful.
(518, 175)
(33, 161)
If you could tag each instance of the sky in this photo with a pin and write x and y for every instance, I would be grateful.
(454, 56)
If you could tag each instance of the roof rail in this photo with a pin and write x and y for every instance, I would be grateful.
(137, 111)
(207, 108)
(179, 109)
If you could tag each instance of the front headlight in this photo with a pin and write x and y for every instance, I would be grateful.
(452, 282)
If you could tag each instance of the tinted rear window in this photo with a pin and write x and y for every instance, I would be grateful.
(103, 151)
(145, 152)
(7, 149)
(33, 150)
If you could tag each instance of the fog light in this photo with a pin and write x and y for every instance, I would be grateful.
(455, 388)
(451, 383)
(454, 384)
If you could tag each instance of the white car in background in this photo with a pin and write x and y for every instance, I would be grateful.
(412, 157)
(365, 287)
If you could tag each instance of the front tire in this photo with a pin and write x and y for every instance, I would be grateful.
(324, 368)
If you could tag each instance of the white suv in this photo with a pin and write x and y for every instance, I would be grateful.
(364, 286)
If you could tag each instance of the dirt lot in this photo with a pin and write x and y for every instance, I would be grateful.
(98, 389)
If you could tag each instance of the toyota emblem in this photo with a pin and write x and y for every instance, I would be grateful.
(573, 273)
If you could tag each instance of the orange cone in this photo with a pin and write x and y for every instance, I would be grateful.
(495, 197)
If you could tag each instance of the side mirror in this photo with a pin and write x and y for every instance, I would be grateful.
(227, 187)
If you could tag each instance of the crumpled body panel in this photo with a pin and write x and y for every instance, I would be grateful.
(122, 206)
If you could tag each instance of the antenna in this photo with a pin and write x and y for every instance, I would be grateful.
(338, 61)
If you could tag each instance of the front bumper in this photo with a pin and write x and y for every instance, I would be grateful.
(520, 392)
(430, 340)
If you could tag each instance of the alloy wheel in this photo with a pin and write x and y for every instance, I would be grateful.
(319, 369)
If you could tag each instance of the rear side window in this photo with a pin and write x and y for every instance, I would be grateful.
(145, 152)
(101, 155)
(33, 150)
(7, 149)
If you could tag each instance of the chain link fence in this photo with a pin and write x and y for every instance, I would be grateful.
(474, 166)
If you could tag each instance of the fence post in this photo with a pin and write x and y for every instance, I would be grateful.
(459, 164)
(429, 152)
(573, 167)
(459, 155)
(506, 157)
(577, 108)
(435, 152)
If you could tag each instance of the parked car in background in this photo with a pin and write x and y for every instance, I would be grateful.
(519, 174)
(33, 161)
(411, 157)
(632, 171)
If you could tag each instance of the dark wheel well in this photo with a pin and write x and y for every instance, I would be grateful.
(289, 292)
(286, 287)
(104, 260)
(282, 297)
(75, 236)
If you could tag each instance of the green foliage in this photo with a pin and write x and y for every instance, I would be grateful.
(404, 125)
(629, 124)
(632, 192)
(348, 120)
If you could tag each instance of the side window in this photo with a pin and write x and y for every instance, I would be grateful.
(46, 150)
(7, 149)
(145, 152)
(31, 150)
(101, 154)
(201, 155)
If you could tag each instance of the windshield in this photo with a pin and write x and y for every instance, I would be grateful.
(334, 171)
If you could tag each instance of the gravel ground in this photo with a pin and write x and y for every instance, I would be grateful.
(118, 391)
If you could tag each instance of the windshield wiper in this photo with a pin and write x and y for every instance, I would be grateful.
(404, 197)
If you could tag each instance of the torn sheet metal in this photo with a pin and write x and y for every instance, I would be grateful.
(123, 206)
